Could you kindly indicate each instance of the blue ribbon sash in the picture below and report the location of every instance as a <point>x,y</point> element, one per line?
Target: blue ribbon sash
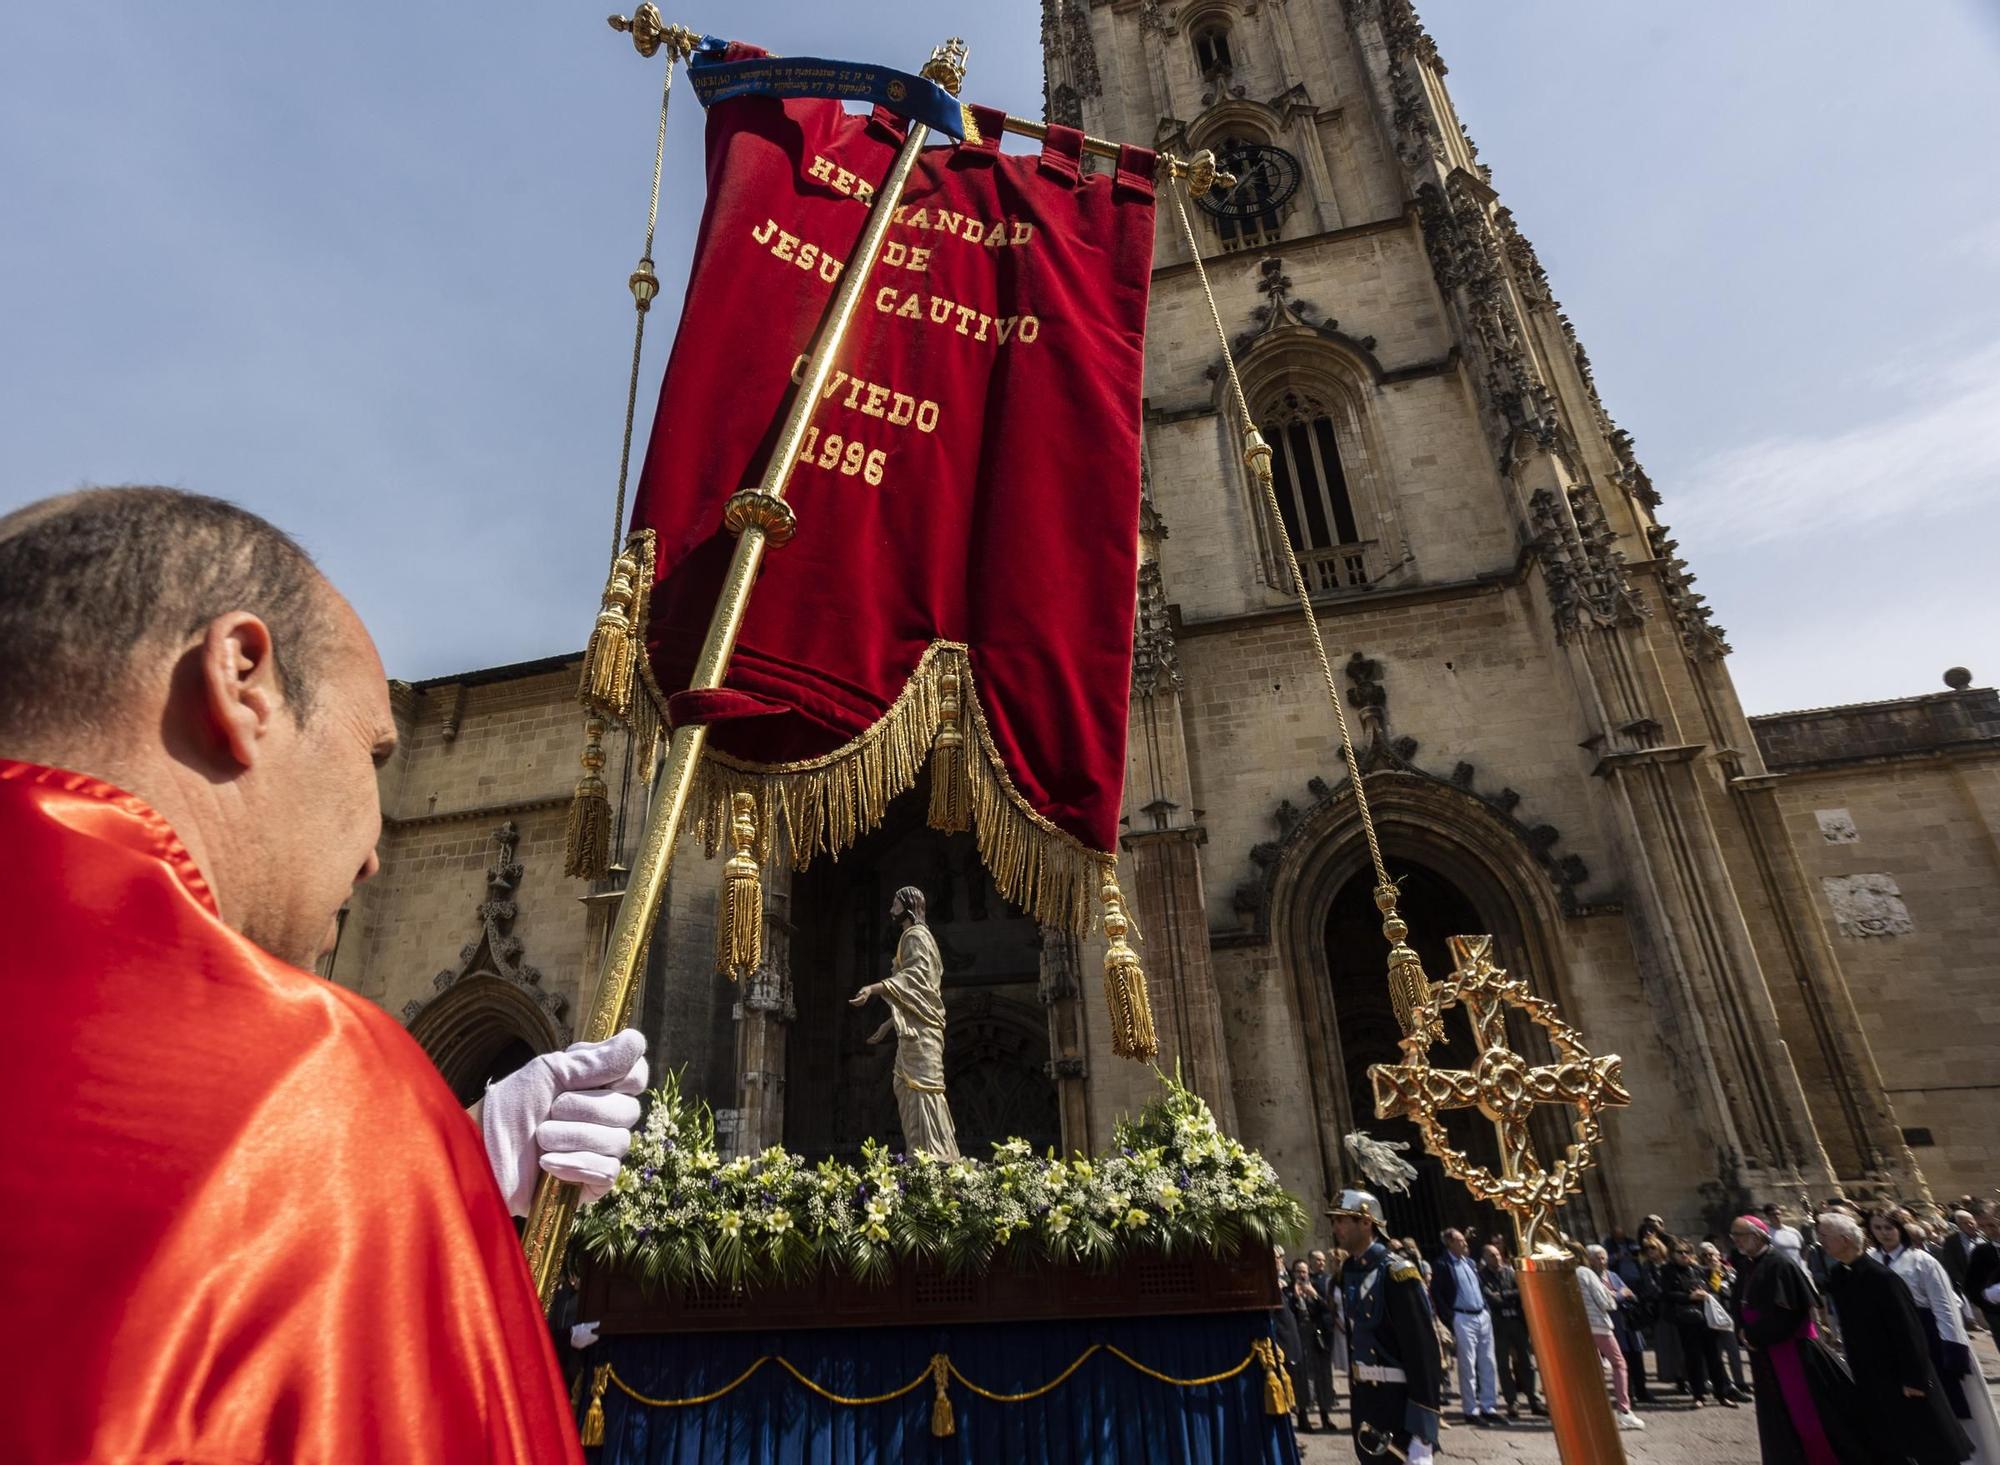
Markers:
<point>914,97</point>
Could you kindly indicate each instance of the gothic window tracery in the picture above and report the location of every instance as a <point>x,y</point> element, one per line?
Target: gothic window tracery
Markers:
<point>1211,49</point>
<point>1314,501</point>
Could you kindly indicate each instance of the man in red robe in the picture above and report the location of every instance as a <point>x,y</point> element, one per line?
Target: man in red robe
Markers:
<point>244,1218</point>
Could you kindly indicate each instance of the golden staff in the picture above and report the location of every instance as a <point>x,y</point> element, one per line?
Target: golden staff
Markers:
<point>760,517</point>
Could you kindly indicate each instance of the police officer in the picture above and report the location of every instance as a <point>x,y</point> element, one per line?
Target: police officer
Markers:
<point>1391,1339</point>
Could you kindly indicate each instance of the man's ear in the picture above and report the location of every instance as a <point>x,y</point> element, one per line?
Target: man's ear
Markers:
<point>239,681</point>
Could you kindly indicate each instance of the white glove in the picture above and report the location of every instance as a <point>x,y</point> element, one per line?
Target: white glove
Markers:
<point>571,1111</point>
<point>583,1335</point>
<point>1419,1453</point>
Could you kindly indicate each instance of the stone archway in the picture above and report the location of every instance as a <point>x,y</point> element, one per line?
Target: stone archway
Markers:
<point>1435,907</point>
<point>489,1014</point>
<point>481,1029</point>
<point>1459,860</point>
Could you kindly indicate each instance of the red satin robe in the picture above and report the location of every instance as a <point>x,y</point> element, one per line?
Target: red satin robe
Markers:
<point>241,1217</point>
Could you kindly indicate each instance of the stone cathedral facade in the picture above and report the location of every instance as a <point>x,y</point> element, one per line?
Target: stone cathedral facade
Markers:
<point>1788,926</point>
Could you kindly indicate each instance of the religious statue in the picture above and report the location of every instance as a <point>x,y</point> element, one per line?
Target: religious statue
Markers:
<point>914,990</point>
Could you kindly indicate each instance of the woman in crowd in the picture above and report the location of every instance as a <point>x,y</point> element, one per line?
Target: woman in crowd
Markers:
<point>1805,1398</point>
<point>1666,1336</point>
<point>1899,1244</point>
<point>1600,1309</point>
<point>1721,1281</point>
<point>1686,1298</point>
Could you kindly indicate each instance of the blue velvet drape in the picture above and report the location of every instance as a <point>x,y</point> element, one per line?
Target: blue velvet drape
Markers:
<point>1105,1413</point>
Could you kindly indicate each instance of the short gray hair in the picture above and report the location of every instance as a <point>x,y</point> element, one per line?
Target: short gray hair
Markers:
<point>1841,1224</point>
<point>1597,1253</point>
<point>91,581</point>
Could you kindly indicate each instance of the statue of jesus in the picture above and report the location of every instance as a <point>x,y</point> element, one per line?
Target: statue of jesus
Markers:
<point>914,990</point>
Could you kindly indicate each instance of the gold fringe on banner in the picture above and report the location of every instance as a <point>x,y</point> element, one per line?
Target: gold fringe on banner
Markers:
<point>942,1422</point>
<point>1132,1034</point>
<point>739,916</point>
<point>587,841</point>
<point>825,804</point>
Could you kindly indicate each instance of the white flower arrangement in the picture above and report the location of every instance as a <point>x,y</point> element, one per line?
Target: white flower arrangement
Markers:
<point>679,1214</point>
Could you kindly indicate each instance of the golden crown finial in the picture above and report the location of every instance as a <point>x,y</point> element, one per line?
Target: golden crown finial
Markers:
<point>650,31</point>
<point>947,65</point>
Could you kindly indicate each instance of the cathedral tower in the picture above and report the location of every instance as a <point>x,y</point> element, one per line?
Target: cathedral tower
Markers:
<point>1556,751</point>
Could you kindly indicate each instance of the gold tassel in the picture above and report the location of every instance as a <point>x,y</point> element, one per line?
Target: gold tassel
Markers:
<point>951,795</point>
<point>587,842</point>
<point>1132,1034</point>
<point>1274,1378</point>
<point>739,918</point>
<point>593,1417</point>
<point>611,660</point>
<point>1409,988</point>
<point>942,1421</point>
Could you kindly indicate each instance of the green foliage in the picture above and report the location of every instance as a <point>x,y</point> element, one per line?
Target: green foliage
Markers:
<point>680,1214</point>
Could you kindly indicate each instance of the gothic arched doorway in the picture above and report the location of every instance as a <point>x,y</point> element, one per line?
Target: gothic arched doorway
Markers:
<point>837,1087</point>
<point>1435,908</point>
<point>482,1028</point>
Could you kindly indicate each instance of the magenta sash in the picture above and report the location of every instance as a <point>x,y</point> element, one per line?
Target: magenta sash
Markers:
<point>1797,1394</point>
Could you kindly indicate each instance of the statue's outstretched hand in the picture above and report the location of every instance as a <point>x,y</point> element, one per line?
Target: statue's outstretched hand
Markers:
<point>881,1034</point>
<point>860,999</point>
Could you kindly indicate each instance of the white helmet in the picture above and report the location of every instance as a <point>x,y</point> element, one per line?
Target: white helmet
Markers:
<point>1359,1203</point>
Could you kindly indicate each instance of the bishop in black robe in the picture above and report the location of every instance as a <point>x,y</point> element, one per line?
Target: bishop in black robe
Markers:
<point>1888,1356</point>
<point>1805,1398</point>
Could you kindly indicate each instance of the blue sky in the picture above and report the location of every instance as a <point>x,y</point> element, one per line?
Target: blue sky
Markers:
<point>362,269</point>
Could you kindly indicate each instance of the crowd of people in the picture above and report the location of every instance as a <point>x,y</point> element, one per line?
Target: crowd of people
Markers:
<point>1848,1332</point>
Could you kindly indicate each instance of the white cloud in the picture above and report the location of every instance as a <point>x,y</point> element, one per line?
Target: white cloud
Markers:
<point>1933,449</point>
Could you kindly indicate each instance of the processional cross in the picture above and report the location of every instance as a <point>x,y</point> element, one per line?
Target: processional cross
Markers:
<point>1501,1084</point>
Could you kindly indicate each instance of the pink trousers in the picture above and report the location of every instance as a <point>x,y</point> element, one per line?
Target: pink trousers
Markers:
<point>1607,1348</point>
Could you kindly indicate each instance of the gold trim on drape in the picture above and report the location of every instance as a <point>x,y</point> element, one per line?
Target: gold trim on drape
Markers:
<point>826,804</point>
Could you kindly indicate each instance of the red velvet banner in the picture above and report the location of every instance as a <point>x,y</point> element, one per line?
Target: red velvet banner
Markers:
<point>970,478</point>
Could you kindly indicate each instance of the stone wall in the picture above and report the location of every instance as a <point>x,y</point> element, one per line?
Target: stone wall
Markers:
<point>1894,808</point>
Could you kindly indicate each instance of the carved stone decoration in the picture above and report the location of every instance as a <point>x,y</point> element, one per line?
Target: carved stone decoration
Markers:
<point>1468,260</point>
<point>1156,663</point>
<point>1368,696</point>
<point>1836,826</point>
<point>1701,637</point>
<point>1069,61</point>
<point>496,950</point>
<point>1419,136</point>
<point>1867,905</point>
<point>1252,898</point>
<point>1585,574</point>
<point>1281,311</point>
<point>1522,261</point>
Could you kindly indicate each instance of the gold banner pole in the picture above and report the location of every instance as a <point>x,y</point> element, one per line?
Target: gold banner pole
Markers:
<point>760,517</point>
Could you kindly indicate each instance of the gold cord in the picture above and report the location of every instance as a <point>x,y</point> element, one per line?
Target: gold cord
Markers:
<point>1258,456</point>
<point>644,285</point>
<point>930,1371</point>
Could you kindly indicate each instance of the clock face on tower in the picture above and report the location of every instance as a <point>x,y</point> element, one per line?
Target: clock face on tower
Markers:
<point>1266,179</point>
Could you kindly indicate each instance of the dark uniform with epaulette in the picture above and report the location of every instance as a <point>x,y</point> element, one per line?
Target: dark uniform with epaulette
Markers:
<point>1391,1347</point>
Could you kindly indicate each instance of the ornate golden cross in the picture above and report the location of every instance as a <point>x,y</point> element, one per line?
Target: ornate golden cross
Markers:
<point>1501,1084</point>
